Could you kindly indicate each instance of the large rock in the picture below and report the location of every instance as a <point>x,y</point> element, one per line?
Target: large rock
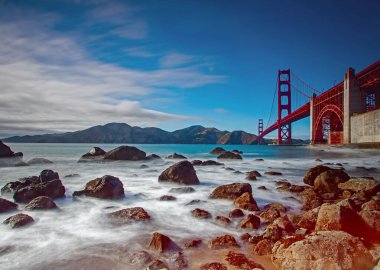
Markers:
<point>229,155</point>
<point>130,214</point>
<point>312,173</point>
<point>370,213</point>
<point>106,187</point>
<point>163,243</point>
<point>357,184</point>
<point>230,191</point>
<point>9,158</point>
<point>310,199</point>
<point>246,202</point>
<point>223,241</point>
<point>250,222</point>
<point>327,182</point>
<point>96,153</point>
<point>322,250</point>
<point>5,151</point>
<point>125,153</point>
<point>11,187</point>
<point>41,203</point>
<point>200,213</point>
<point>217,151</point>
<point>19,220</point>
<point>6,206</point>
<point>176,156</point>
<point>181,173</point>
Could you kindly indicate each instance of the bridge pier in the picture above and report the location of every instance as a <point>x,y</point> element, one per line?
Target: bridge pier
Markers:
<point>352,103</point>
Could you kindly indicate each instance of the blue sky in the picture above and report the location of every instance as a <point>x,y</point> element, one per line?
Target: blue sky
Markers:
<point>70,64</point>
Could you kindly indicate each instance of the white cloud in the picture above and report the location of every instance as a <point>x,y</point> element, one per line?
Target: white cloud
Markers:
<point>139,51</point>
<point>49,82</point>
<point>176,59</point>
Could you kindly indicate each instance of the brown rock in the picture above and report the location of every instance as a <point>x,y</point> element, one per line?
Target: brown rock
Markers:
<point>310,199</point>
<point>236,213</point>
<point>229,155</point>
<point>167,198</point>
<point>255,239</point>
<point>130,214</point>
<point>6,206</point>
<point>176,156</point>
<point>181,173</point>
<point>253,174</point>
<point>276,206</point>
<point>200,213</point>
<point>19,220</point>
<point>272,232</point>
<point>217,151</point>
<point>106,187</point>
<point>223,241</point>
<point>245,237</point>
<point>272,173</point>
<point>285,224</point>
<point>322,250</point>
<point>96,153</point>
<point>210,163</point>
<point>250,222</point>
<point>41,203</point>
<point>140,258</point>
<point>192,243</point>
<point>223,219</point>
<point>312,173</point>
<point>230,191</point>
<point>270,215</point>
<point>182,190</point>
<point>263,247</point>
<point>357,184</point>
<point>213,266</point>
<point>241,261</point>
<point>162,243</point>
<point>327,182</point>
<point>309,219</point>
<point>246,202</point>
<point>125,153</point>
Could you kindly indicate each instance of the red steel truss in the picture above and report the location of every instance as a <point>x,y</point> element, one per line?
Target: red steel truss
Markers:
<point>284,104</point>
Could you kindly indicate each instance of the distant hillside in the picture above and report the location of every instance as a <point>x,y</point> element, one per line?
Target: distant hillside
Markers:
<point>124,133</point>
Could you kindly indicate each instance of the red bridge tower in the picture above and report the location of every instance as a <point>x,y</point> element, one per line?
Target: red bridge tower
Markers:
<point>284,104</point>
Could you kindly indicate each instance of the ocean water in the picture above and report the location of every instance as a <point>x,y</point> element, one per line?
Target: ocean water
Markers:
<point>80,233</point>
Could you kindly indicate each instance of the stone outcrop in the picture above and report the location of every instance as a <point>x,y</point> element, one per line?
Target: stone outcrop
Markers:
<point>327,182</point>
<point>230,191</point>
<point>246,202</point>
<point>106,187</point>
<point>322,250</point>
<point>357,184</point>
<point>125,153</point>
<point>41,203</point>
<point>6,206</point>
<point>163,243</point>
<point>229,155</point>
<point>312,173</point>
<point>19,220</point>
<point>180,173</point>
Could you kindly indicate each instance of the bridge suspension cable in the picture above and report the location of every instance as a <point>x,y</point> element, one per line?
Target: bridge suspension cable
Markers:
<point>272,107</point>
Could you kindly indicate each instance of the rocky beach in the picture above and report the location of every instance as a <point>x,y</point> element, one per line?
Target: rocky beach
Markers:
<point>123,208</point>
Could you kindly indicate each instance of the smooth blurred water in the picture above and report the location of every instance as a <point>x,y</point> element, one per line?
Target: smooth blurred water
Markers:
<point>81,228</point>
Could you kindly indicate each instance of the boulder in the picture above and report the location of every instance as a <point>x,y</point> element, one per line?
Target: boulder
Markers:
<point>213,266</point>
<point>236,213</point>
<point>194,243</point>
<point>6,206</point>
<point>322,250</point>
<point>327,182</point>
<point>264,247</point>
<point>312,173</point>
<point>41,203</point>
<point>230,191</point>
<point>182,190</point>
<point>163,243</point>
<point>11,187</point>
<point>176,156</point>
<point>277,206</point>
<point>310,199</point>
<point>130,214</point>
<point>125,153</point>
<point>217,151</point>
<point>250,222</point>
<point>246,202</point>
<point>96,153</point>
<point>309,219</point>
<point>273,232</point>
<point>167,198</point>
<point>284,224</point>
<point>223,241</point>
<point>5,151</point>
<point>48,175</point>
<point>211,163</point>
<point>270,215</point>
<point>152,157</point>
<point>357,184</point>
<point>38,161</point>
<point>196,162</point>
<point>200,213</point>
<point>106,187</point>
<point>181,173</point>
<point>229,155</point>
<point>19,220</point>
<point>223,219</point>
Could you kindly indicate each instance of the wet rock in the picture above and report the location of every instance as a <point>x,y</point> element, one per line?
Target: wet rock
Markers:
<point>176,156</point>
<point>181,173</point>
<point>157,265</point>
<point>182,190</point>
<point>41,203</point>
<point>250,222</point>
<point>6,206</point>
<point>272,232</point>
<point>37,161</point>
<point>106,187</point>
<point>236,213</point>
<point>72,175</point>
<point>240,261</point>
<point>130,214</point>
<point>237,172</point>
<point>245,237</point>
<point>144,166</point>
<point>125,153</point>
<point>48,175</point>
<point>5,151</point>
<point>270,215</point>
<point>196,162</point>
<point>262,187</point>
<point>322,250</point>
<point>140,258</point>
<point>309,219</point>
<point>276,206</point>
<point>19,220</point>
<point>153,157</point>
<point>229,169</point>
<point>200,213</point>
<point>224,220</point>
<point>213,266</point>
<point>167,198</point>
<point>272,173</point>
<point>259,159</point>
<point>312,173</point>
<point>327,182</point>
<point>163,243</point>
<point>230,191</point>
<point>192,243</point>
<point>284,224</point>
<point>318,160</point>
<point>357,184</point>
<point>246,202</point>
<point>237,151</point>
<point>252,175</point>
<point>223,241</point>
<point>255,239</point>
<point>217,151</point>
<point>11,187</point>
<point>94,153</point>
<point>206,163</point>
<point>229,155</point>
<point>263,247</point>
<point>310,199</point>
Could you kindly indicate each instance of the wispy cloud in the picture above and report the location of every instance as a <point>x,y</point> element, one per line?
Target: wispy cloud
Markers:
<point>176,59</point>
<point>139,51</point>
<point>50,83</point>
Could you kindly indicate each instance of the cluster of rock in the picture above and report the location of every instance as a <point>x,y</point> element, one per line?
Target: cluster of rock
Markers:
<point>224,154</point>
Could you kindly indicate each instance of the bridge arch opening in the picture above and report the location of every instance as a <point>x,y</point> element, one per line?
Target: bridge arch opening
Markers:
<point>329,126</point>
